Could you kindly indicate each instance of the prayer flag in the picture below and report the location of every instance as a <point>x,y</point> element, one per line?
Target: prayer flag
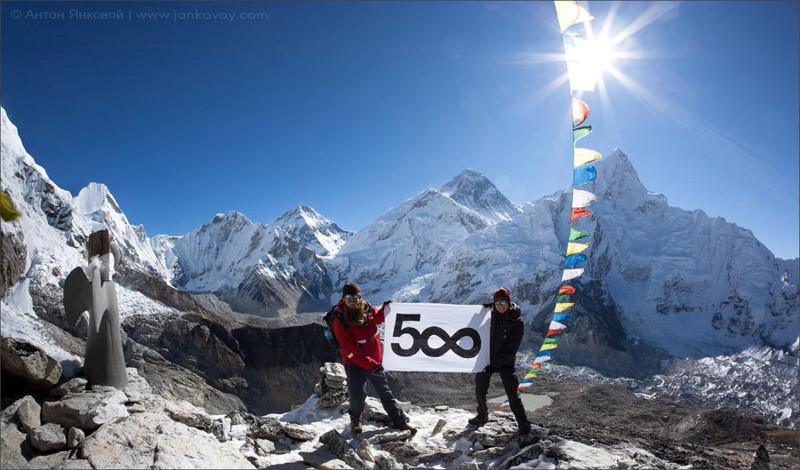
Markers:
<point>579,133</point>
<point>574,248</point>
<point>566,290</point>
<point>581,198</point>
<point>577,213</point>
<point>575,234</point>
<point>562,307</point>
<point>570,13</point>
<point>561,316</point>
<point>571,274</point>
<point>583,175</point>
<point>582,156</point>
<point>580,111</point>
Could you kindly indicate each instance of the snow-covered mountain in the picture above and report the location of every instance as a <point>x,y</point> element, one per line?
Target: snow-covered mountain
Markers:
<point>660,281</point>
<point>258,269</point>
<point>308,227</point>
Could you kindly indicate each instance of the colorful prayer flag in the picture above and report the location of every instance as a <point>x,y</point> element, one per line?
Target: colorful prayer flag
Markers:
<point>580,111</point>
<point>582,156</point>
<point>577,213</point>
<point>583,175</point>
<point>566,290</point>
<point>581,198</point>
<point>579,133</point>
<point>570,13</point>
<point>571,274</point>
<point>575,234</point>
<point>561,316</point>
<point>563,306</point>
<point>574,248</point>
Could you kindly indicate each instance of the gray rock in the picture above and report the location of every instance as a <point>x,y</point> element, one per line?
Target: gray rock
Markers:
<point>221,428</point>
<point>414,454</point>
<point>29,363</point>
<point>332,398</point>
<point>324,459</point>
<point>190,415</point>
<point>48,437</point>
<point>341,449</point>
<point>152,440</point>
<point>502,428</point>
<point>74,437</point>
<point>13,443</point>
<point>137,387</point>
<point>299,432</point>
<point>86,411</point>
<point>390,436</point>
<point>29,414</point>
<point>267,427</point>
<point>72,386</point>
<point>439,426</point>
<point>386,461</point>
<point>25,412</point>
<point>264,447</point>
<point>58,460</point>
<point>494,452</point>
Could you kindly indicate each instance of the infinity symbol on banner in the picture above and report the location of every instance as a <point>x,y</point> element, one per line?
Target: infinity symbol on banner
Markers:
<point>422,340</point>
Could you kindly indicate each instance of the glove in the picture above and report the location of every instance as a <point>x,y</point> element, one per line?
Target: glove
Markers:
<point>385,304</point>
<point>489,305</point>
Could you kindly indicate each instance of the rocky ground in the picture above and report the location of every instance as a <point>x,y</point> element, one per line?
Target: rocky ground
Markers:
<point>66,424</point>
<point>693,433</point>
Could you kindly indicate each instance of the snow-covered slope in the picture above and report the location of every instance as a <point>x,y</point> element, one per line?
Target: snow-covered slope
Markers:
<point>258,269</point>
<point>683,281</point>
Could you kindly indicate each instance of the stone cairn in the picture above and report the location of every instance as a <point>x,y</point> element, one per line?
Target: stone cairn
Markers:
<point>331,389</point>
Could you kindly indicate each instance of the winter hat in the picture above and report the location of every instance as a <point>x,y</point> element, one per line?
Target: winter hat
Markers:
<point>351,288</point>
<point>502,294</point>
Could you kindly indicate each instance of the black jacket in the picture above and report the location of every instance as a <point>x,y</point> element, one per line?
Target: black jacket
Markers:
<point>505,337</point>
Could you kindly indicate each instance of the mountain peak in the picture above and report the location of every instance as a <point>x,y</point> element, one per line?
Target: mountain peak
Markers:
<point>475,191</point>
<point>310,228</point>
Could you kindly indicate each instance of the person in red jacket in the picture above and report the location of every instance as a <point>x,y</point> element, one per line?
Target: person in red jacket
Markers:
<point>355,326</point>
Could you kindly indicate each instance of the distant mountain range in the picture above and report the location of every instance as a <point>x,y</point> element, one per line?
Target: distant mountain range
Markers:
<point>660,282</point>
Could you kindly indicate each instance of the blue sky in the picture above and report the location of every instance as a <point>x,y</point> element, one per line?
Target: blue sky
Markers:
<point>353,107</point>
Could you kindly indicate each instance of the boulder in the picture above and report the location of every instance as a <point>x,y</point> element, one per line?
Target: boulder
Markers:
<point>86,410</point>
<point>336,444</point>
<point>29,364</point>
<point>48,437</point>
<point>74,437</point>
<point>152,440</point>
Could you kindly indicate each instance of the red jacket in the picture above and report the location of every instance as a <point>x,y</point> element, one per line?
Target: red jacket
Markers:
<point>360,344</point>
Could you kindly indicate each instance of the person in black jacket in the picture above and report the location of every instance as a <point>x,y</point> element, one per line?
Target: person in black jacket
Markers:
<point>504,340</point>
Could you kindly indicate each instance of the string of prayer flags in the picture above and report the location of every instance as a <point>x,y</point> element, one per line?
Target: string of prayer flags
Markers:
<point>582,76</point>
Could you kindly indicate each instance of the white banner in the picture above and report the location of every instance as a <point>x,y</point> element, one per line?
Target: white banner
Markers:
<point>436,337</point>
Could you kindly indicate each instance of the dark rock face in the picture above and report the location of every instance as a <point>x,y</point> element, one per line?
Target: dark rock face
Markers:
<point>270,352</point>
<point>12,259</point>
<point>175,382</point>
<point>26,369</point>
<point>249,362</point>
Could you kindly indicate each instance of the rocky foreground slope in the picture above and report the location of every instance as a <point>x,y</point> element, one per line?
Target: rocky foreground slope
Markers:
<point>65,424</point>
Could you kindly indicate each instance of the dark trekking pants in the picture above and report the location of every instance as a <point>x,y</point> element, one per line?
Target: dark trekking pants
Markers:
<point>357,379</point>
<point>510,384</point>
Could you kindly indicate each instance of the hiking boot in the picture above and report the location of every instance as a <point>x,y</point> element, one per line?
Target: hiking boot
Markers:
<point>478,420</point>
<point>355,424</point>
<point>399,422</point>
